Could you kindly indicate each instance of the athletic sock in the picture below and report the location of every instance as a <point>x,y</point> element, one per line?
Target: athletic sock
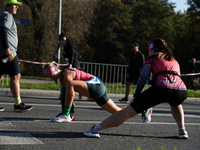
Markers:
<point>181,127</point>
<point>17,101</point>
<point>97,128</point>
<point>66,110</point>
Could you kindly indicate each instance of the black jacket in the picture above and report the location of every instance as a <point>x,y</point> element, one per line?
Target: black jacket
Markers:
<point>192,68</point>
<point>69,52</point>
<point>136,62</point>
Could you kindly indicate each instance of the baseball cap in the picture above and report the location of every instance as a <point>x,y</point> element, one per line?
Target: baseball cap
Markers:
<point>12,2</point>
<point>135,44</point>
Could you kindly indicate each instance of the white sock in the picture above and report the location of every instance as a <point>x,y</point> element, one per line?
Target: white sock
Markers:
<point>98,128</point>
<point>181,127</point>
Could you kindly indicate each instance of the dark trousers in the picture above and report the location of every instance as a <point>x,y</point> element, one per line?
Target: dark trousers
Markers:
<point>190,80</point>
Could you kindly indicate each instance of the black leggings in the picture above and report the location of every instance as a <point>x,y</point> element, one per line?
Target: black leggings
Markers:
<point>156,95</point>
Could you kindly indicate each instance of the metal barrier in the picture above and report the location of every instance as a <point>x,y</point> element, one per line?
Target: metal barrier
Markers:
<point>4,89</point>
<point>112,75</point>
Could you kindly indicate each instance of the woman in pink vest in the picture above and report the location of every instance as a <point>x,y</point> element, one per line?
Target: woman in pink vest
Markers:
<point>167,87</point>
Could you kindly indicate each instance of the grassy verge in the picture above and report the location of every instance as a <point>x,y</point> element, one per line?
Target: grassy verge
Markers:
<point>111,88</point>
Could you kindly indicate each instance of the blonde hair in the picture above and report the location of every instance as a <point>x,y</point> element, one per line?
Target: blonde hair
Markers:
<point>49,64</point>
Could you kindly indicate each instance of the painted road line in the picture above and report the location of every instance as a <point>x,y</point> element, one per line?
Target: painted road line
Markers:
<point>96,122</point>
<point>78,104</point>
<point>6,125</point>
<point>17,138</point>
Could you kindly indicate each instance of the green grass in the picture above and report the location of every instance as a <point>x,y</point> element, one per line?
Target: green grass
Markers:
<point>111,88</point>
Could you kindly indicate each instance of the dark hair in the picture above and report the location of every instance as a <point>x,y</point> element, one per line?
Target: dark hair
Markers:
<point>67,39</point>
<point>163,51</point>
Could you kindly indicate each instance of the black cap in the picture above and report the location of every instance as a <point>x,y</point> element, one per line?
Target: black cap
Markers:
<point>135,44</point>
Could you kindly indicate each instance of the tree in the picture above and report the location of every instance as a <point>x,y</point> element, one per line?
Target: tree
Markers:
<point>153,19</point>
<point>194,28</point>
<point>111,31</point>
<point>76,21</point>
<point>181,41</point>
<point>37,42</point>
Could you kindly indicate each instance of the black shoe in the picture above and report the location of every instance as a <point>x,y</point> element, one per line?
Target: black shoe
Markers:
<point>22,107</point>
<point>124,100</point>
<point>2,109</point>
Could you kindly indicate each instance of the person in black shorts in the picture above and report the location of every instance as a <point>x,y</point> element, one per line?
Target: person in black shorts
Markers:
<point>9,62</point>
<point>133,73</point>
<point>134,69</point>
<point>166,87</point>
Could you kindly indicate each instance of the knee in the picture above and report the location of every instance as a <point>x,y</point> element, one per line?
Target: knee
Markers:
<point>16,77</point>
<point>69,84</point>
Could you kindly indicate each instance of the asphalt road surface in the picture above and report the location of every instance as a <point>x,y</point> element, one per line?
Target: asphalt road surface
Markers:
<point>33,130</point>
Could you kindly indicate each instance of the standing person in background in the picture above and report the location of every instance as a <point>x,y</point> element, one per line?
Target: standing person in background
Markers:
<point>167,87</point>
<point>191,69</point>
<point>69,53</point>
<point>8,49</point>
<point>133,71</point>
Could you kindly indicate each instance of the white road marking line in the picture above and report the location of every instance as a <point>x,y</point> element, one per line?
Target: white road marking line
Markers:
<point>140,123</point>
<point>77,104</point>
<point>4,124</point>
<point>96,122</point>
<point>154,114</point>
<point>17,138</point>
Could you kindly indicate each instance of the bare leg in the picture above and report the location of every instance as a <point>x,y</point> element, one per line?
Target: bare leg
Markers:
<point>111,107</point>
<point>118,118</point>
<point>128,88</point>
<point>14,85</point>
<point>178,114</point>
<point>71,87</point>
<point>1,76</point>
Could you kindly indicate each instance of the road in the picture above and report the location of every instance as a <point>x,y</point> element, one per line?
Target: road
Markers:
<point>33,130</point>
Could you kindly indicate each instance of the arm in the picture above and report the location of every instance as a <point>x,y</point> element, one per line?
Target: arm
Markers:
<point>143,78</point>
<point>140,62</point>
<point>72,55</point>
<point>69,75</point>
<point>195,69</point>
<point>4,41</point>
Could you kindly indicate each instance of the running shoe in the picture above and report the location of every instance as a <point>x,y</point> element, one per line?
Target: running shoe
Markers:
<point>123,100</point>
<point>183,134</point>
<point>92,133</point>
<point>146,117</point>
<point>2,109</point>
<point>61,118</point>
<point>22,107</point>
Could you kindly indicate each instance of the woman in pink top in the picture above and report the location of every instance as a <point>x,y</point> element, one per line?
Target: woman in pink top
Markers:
<point>167,87</point>
<point>83,83</point>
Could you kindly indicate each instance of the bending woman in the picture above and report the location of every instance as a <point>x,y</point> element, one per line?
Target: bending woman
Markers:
<point>167,87</point>
<point>83,83</point>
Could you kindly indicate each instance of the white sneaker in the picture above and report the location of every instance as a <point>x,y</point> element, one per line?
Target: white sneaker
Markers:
<point>61,118</point>
<point>183,134</point>
<point>92,133</point>
<point>147,116</point>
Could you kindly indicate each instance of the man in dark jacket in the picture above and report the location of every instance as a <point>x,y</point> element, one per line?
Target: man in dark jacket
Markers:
<point>191,69</point>
<point>133,73</point>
